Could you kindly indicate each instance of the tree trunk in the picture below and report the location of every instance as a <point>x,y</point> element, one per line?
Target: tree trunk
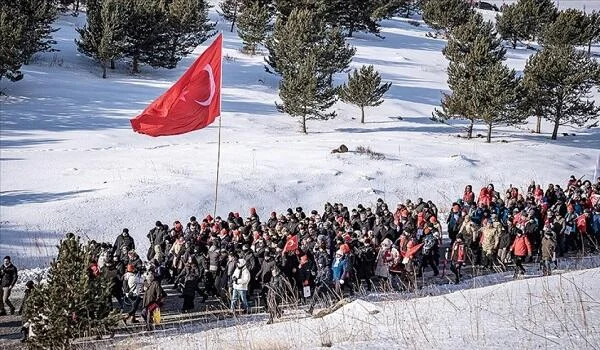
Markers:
<point>489,134</point>
<point>514,43</point>
<point>538,124</point>
<point>135,65</point>
<point>556,125</point>
<point>304,124</point>
<point>76,6</point>
<point>112,63</point>
<point>590,48</point>
<point>103,70</point>
<point>350,30</point>
<point>232,25</point>
<point>470,130</point>
<point>362,114</point>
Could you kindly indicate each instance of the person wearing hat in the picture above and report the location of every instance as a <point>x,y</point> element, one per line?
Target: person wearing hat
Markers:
<point>25,328</point>
<point>157,237</point>
<point>123,240</point>
<point>240,279</point>
<point>340,271</point>
<point>521,248</point>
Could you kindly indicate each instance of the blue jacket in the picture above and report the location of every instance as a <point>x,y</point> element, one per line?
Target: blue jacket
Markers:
<point>596,224</point>
<point>339,268</point>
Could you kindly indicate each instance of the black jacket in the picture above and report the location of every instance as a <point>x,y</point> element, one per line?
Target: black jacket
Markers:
<point>8,275</point>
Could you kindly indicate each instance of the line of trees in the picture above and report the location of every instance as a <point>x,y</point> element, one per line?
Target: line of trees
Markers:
<point>158,33</point>
<point>556,83</point>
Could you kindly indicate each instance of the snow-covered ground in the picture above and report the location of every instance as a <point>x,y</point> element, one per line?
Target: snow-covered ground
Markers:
<point>69,160</point>
<point>558,312</point>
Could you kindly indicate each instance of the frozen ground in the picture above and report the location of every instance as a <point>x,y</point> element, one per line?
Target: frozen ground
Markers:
<point>558,312</point>
<point>70,162</point>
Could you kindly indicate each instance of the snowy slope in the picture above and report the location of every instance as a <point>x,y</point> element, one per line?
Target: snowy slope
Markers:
<point>558,312</point>
<point>70,162</point>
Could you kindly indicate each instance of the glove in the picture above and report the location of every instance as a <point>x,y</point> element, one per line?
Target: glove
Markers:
<point>341,281</point>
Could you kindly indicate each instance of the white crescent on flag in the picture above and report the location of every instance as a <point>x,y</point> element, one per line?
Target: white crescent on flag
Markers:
<point>211,77</point>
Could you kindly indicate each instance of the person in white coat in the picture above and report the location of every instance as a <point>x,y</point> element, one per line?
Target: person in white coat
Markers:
<point>240,279</point>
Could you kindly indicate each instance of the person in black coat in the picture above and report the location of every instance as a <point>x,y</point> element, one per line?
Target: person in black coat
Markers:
<point>189,277</point>
<point>123,240</point>
<point>276,292</point>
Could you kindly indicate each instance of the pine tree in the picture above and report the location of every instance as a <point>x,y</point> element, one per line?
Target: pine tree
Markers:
<point>558,81</point>
<point>473,50</point>
<point>444,15</point>
<point>356,16</point>
<point>230,10</point>
<point>334,53</point>
<point>102,38</point>
<point>306,33</point>
<point>498,93</point>
<point>569,28</point>
<point>253,25</point>
<point>510,25</point>
<point>11,27</point>
<point>305,92</point>
<point>187,27</point>
<point>364,89</point>
<point>592,30</point>
<point>39,15</point>
<point>72,303</point>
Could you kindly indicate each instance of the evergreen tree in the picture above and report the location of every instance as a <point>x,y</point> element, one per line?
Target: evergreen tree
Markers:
<point>592,30</point>
<point>498,95</point>
<point>305,92</point>
<point>230,10</point>
<point>102,38</point>
<point>253,26</point>
<point>301,34</point>
<point>444,15</point>
<point>473,50</point>
<point>569,28</point>
<point>334,53</point>
<point>510,25</point>
<point>558,81</point>
<point>39,16</point>
<point>187,27</point>
<point>356,16</point>
<point>364,89</point>
<point>72,303</point>
<point>525,20</point>
<point>11,27</point>
<point>29,22</point>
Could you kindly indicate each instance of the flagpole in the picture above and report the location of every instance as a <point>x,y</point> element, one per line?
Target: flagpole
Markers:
<point>219,137</point>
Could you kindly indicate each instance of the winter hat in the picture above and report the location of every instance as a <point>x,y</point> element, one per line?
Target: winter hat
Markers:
<point>252,211</point>
<point>158,224</point>
<point>193,218</point>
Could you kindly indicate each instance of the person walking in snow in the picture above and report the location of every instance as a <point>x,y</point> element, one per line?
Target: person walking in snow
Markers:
<point>123,240</point>
<point>521,248</point>
<point>240,279</point>
<point>457,257</point>
<point>548,252</point>
<point>8,279</point>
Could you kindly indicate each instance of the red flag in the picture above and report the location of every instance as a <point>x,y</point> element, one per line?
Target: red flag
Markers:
<point>412,251</point>
<point>192,103</point>
<point>291,244</point>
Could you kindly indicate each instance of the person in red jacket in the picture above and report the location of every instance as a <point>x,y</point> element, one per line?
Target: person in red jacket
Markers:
<point>469,196</point>
<point>521,249</point>
<point>457,257</point>
<point>581,225</point>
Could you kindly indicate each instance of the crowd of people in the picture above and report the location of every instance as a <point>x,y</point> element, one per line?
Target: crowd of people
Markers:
<point>310,256</point>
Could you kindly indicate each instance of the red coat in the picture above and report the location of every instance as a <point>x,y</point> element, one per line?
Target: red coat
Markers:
<point>458,252</point>
<point>485,197</point>
<point>521,246</point>
<point>469,197</point>
<point>581,223</point>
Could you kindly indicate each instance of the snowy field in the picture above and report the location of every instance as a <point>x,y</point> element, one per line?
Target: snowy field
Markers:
<point>558,312</point>
<point>69,160</point>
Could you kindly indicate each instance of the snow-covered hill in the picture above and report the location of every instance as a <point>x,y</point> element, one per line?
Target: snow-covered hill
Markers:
<point>70,162</point>
<point>558,312</point>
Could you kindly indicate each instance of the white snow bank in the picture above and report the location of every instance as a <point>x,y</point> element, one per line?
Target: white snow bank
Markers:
<point>560,311</point>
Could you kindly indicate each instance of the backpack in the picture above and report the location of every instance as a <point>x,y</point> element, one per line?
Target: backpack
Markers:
<point>428,244</point>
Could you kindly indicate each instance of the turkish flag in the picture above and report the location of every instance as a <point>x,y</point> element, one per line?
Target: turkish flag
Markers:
<point>291,244</point>
<point>192,103</point>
